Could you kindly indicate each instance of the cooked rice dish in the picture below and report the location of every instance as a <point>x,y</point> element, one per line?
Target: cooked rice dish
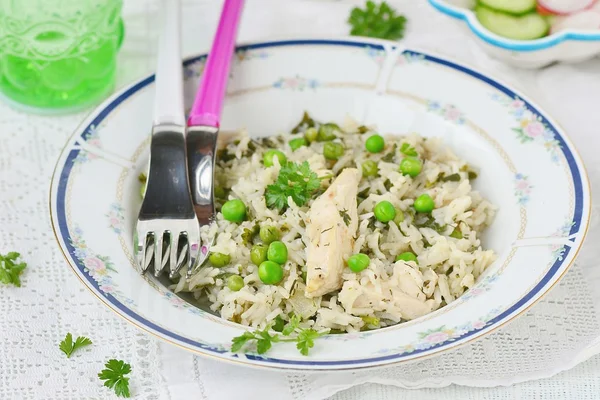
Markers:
<point>347,229</point>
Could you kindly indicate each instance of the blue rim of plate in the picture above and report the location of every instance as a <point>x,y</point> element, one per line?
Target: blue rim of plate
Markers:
<point>515,45</point>
<point>60,227</point>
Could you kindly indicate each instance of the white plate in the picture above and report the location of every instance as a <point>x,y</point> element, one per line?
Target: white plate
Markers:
<point>529,169</point>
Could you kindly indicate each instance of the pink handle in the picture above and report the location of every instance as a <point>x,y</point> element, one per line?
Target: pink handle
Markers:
<point>208,103</point>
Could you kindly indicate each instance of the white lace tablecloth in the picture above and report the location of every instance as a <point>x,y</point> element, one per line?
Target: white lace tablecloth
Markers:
<point>557,334</point>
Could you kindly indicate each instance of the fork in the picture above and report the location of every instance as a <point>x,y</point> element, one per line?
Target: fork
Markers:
<point>205,115</point>
<point>167,228</point>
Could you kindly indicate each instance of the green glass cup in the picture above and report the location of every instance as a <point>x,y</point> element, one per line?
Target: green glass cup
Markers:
<point>58,56</point>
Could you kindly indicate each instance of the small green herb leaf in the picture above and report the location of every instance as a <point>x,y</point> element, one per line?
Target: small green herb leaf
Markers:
<point>240,341</point>
<point>345,217</point>
<point>292,325</point>
<point>10,270</point>
<point>295,180</point>
<point>408,150</point>
<point>67,346</point>
<point>389,157</point>
<point>451,178</point>
<point>279,324</point>
<point>114,377</point>
<point>306,340</point>
<point>377,20</point>
<point>305,123</point>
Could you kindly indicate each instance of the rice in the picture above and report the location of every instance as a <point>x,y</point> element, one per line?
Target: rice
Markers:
<point>388,291</point>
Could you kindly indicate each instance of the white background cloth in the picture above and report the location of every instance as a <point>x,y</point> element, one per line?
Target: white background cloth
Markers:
<point>557,334</point>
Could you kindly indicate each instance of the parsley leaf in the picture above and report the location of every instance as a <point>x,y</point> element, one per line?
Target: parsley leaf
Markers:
<point>295,180</point>
<point>408,150</point>
<point>10,269</point>
<point>291,326</point>
<point>378,21</point>
<point>306,340</point>
<point>114,377</point>
<point>67,346</point>
<point>264,340</point>
<point>240,341</point>
<point>345,217</point>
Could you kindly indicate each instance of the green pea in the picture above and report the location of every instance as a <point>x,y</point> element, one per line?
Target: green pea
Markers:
<point>277,252</point>
<point>358,262</point>
<point>270,272</point>
<point>407,256</point>
<point>234,210</point>
<point>456,234</point>
<point>370,168</point>
<point>384,211</point>
<point>235,283</point>
<point>311,134</point>
<point>295,144</point>
<point>268,233</point>
<point>411,166</point>
<point>399,216</point>
<point>258,254</point>
<point>375,144</point>
<point>143,189</point>
<point>219,259</point>
<point>424,204</point>
<point>270,155</point>
<point>333,151</point>
<point>327,132</point>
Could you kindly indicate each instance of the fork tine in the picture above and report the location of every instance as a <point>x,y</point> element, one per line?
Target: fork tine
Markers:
<point>158,254</point>
<point>144,239</point>
<point>140,249</point>
<point>148,252</point>
<point>194,253</point>
<point>174,264</point>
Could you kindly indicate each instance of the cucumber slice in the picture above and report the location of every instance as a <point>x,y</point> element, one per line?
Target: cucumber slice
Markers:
<point>526,27</point>
<point>511,6</point>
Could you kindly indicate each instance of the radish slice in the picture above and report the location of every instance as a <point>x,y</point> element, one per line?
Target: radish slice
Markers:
<point>585,20</point>
<point>563,7</point>
<point>544,11</point>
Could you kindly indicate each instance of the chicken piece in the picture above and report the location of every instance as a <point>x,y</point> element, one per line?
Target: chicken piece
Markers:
<point>331,230</point>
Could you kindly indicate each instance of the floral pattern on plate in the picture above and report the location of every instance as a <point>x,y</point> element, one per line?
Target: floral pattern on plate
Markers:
<point>530,128</point>
<point>443,334</point>
<point>246,55</point>
<point>116,218</point>
<point>447,111</point>
<point>296,83</point>
<point>522,188</point>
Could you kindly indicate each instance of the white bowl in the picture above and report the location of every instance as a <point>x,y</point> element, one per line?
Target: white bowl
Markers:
<point>528,166</point>
<point>564,46</point>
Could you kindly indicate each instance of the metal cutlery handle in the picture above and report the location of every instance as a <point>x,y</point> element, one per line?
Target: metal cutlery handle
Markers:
<point>167,192</point>
<point>168,99</point>
<point>201,142</point>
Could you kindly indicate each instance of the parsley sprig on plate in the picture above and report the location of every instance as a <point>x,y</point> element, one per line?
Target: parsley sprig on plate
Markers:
<point>378,21</point>
<point>264,339</point>
<point>114,376</point>
<point>10,269</point>
<point>295,180</point>
<point>68,346</point>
